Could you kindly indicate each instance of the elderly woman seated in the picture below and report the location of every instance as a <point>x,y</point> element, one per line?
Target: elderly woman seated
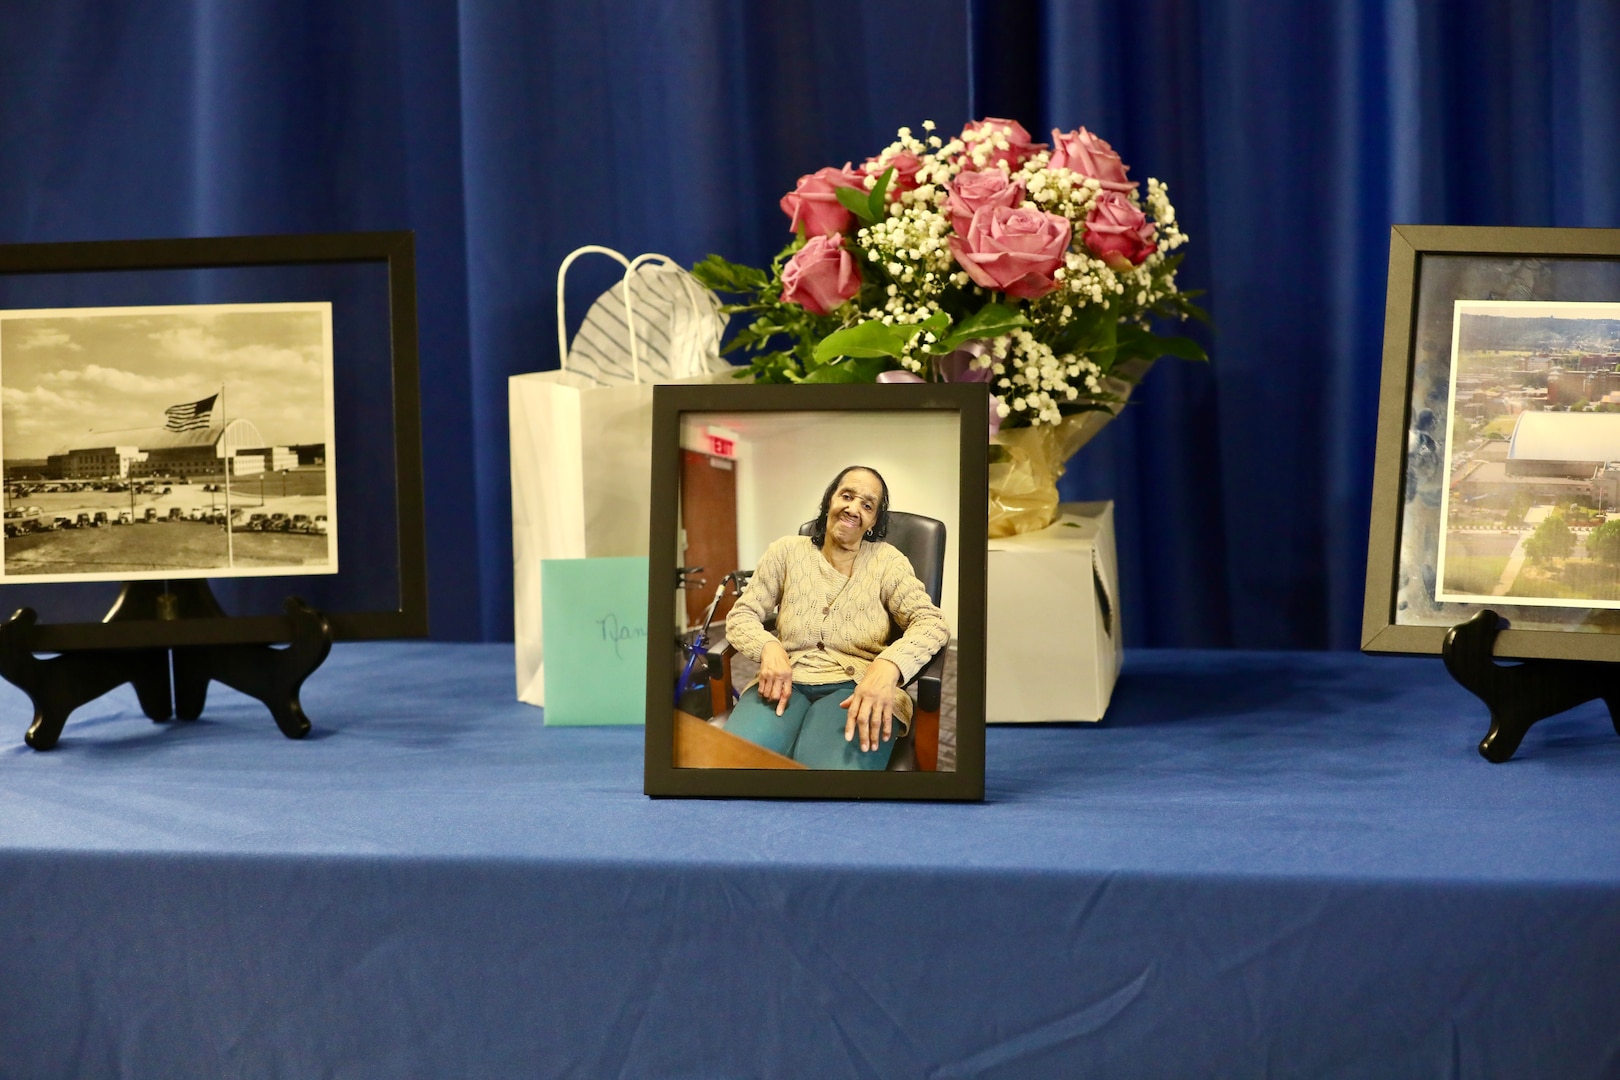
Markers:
<point>829,691</point>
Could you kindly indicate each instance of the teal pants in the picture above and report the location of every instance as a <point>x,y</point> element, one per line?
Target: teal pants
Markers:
<point>810,730</point>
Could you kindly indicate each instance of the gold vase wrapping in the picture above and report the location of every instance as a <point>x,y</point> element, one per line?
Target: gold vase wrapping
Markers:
<point>1023,485</point>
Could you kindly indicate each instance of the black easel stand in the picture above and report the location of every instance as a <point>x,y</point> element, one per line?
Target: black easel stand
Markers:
<point>61,684</point>
<point>1528,690</point>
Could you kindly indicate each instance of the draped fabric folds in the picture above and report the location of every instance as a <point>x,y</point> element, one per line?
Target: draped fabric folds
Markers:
<point>505,133</point>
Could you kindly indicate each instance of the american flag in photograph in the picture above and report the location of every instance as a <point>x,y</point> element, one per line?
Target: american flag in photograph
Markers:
<point>191,415</point>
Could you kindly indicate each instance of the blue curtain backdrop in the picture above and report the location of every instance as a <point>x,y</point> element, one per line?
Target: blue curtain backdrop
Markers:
<point>506,133</point>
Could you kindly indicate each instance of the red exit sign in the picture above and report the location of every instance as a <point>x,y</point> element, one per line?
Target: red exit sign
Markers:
<point>720,446</point>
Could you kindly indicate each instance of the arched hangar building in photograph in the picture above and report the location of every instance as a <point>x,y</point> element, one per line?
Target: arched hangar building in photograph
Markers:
<point>157,451</point>
<point>1551,455</point>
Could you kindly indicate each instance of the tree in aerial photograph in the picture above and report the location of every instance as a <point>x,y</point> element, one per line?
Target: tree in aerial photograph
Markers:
<point>1604,543</point>
<point>1553,539</point>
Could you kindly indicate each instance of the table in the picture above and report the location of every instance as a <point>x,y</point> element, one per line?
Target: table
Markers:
<point>701,745</point>
<point>1288,864</point>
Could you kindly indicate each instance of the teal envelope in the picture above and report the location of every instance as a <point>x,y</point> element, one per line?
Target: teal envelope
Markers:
<point>593,623</point>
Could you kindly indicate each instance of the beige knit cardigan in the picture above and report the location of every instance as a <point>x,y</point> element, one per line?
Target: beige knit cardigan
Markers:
<point>833,626</point>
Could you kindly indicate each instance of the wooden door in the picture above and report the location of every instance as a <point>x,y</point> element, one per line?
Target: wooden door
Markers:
<point>709,520</point>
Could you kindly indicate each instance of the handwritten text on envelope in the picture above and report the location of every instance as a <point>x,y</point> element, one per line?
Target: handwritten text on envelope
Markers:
<point>593,615</point>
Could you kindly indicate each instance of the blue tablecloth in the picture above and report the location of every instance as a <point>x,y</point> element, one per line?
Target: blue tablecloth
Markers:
<point>1286,864</point>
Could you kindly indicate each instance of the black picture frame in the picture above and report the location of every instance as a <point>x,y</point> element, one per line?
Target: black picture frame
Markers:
<point>380,266</point>
<point>1431,268</point>
<point>969,404</point>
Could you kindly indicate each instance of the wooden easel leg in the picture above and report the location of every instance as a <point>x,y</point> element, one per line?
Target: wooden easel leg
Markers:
<point>272,676</point>
<point>1520,694</point>
<point>63,683</point>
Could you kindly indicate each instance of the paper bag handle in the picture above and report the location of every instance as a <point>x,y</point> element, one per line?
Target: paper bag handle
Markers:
<point>562,277</point>
<point>693,292</point>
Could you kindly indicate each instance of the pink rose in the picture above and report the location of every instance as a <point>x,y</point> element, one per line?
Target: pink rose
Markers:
<point>1084,153</point>
<point>1019,146</point>
<point>1013,249</point>
<point>972,191</point>
<point>813,204</point>
<point>1118,233</point>
<point>905,165</point>
<point>821,275</point>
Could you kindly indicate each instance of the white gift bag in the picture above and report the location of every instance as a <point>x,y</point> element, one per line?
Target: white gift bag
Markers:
<point>582,435</point>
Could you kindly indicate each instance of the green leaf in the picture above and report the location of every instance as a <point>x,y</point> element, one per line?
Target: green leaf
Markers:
<point>1080,331</point>
<point>1090,336</point>
<point>935,324</point>
<point>867,339</point>
<point>1102,335</point>
<point>855,201</point>
<point>1182,348</point>
<point>1134,341</point>
<point>990,321</point>
<point>877,199</point>
<point>862,370</point>
<point>774,367</point>
<point>1193,309</point>
<point>723,276</point>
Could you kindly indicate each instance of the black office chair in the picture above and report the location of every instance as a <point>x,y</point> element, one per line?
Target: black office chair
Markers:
<point>922,541</point>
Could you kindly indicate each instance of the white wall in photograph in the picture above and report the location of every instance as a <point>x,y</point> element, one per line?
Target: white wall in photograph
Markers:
<point>784,462</point>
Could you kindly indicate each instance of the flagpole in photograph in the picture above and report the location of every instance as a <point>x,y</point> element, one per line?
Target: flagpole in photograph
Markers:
<point>224,436</point>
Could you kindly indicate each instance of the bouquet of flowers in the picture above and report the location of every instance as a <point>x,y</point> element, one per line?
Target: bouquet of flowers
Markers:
<point>988,257</point>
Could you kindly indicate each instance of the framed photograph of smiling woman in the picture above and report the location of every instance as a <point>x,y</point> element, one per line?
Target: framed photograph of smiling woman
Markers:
<point>816,592</point>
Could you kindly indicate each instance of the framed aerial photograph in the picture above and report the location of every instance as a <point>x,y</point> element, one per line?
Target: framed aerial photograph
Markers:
<point>1497,482</point>
<point>844,528</point>
<point>240,411</point>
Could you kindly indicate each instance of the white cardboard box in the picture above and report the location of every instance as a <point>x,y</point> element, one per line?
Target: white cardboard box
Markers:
<point>1053,645</point>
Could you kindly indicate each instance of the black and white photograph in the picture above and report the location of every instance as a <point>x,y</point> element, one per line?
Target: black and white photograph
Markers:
<point>1531,497</point>
<point>146,443</point>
